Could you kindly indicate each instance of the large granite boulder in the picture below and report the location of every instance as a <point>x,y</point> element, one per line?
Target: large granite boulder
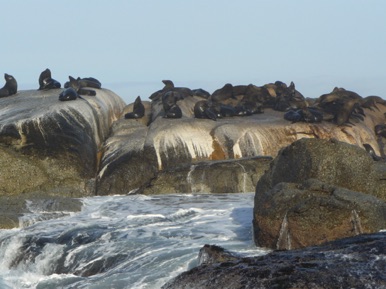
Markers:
<point>357,262</point>
<point>316,191</point>
<point>52,144</point>
<point>52,148</point>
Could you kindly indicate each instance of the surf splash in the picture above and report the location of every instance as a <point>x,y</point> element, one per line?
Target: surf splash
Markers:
<point>133,241</point>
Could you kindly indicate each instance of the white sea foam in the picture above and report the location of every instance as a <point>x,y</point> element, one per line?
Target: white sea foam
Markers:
<point>129,241</point>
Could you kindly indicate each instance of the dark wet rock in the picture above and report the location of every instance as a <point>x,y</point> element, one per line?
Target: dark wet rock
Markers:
<point>219,177</point>
<point>316,191</point>
<point>211,254</point>
<point>13,207</point>
<point>357,262</point>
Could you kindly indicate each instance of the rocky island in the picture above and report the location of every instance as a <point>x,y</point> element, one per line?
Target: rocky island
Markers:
<point>317,165</point>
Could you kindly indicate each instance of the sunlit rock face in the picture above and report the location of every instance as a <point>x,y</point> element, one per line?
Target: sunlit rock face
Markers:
<point>316,191</point>
<point>239,137</point>
<point>126,163</point>
<point>163,143</point>
<point>52,146</point>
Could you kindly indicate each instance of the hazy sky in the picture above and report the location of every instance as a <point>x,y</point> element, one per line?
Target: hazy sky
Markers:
<point>131,45</point>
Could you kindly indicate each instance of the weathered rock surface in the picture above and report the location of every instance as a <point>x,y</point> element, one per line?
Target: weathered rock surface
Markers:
<point>226,176</point>
<point>357,262</point>
<point>52,144</point>
<point>316,191</point>
<point>49,147</point>
<point>166,143</point>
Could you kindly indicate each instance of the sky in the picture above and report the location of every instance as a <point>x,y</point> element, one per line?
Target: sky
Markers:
<point>132,45</point>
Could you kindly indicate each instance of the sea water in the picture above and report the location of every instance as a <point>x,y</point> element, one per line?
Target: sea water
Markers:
<point>131,241</point>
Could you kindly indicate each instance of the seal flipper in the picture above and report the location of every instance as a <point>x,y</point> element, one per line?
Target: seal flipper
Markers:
<point>86,91</point>
<point>173,112</point>
<point>210,114</point>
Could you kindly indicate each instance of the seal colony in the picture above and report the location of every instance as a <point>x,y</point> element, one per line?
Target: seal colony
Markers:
<point>10,86</point>
<point>340,106</point>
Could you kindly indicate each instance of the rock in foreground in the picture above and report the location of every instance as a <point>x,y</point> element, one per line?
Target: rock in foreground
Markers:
<point>317,191</point>
<point>357,262</point>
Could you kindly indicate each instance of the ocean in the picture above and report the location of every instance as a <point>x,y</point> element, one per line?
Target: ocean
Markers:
<point>127,241</point>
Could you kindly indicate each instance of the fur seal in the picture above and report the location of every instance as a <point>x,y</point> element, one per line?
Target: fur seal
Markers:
<point>289,97</point>
<point>223,110</point>
<point>89,82</point>
<point>372,101</point>
<point>293,116</point>
<point>380,130</point>
<point>350,109</point>
<point>79,84</point>
<point>371,152</point>
<point>222,94</point>
<point>173,112</point>
<point>169,99</point>
<point>306,114</point>
<point>169,86</point>
<point>47,82</point>
<point>10,86</point>
<point>203,110</point>
<point>201,93</point>
<point>138,110</point>
<point>68,94</point>
<point>239,90</point>
<point>343,105</point>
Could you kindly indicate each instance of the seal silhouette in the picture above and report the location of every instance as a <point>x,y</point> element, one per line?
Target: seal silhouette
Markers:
<point>173,112</point>
<point>202,109</point>
<point>46,81</point>
<point>10,86</point>
<point>68,94</point>
<point>138,110</point>
<point>79,85</point>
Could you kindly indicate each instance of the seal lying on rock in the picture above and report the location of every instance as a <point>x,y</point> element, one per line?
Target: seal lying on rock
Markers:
<point>138,109</point>
<point>307,114</point>
<point>371,152</point>
<point>79,85</point>
<point>10,86</point>
<point>223,94</point>
<point>182,92</point>
<point>47,82</point>
<point>68,94</point>
<point>371,102</point>
<point>342,106</point>
<point>203,110</point>
<point>173,112</point>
